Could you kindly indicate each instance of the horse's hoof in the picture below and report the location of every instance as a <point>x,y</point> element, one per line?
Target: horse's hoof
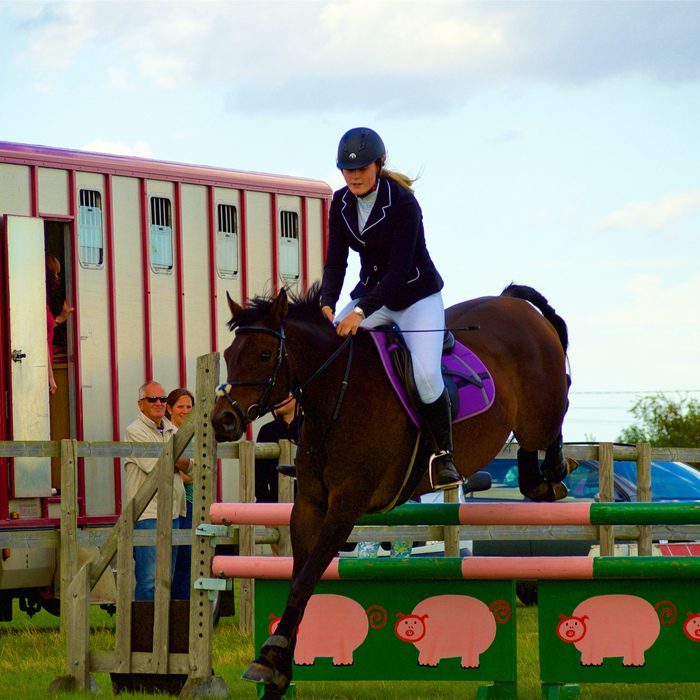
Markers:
<point>546,492</point>
<point>566,466</point>
<point>260,671</point>
<point>559,491</point>
<point>571,464</point>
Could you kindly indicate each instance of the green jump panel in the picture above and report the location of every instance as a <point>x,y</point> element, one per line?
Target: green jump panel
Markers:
<point>383,630</point>
<point>619,631</point>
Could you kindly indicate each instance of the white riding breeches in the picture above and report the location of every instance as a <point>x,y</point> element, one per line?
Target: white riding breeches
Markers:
<point>425,347</point>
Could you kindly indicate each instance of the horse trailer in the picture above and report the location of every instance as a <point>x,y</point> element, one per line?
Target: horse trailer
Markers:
<point>148,250</point>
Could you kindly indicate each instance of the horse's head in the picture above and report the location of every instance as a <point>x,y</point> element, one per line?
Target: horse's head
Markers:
<point>257,370</point>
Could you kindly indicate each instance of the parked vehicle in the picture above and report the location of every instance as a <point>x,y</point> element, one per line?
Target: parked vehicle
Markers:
<point>670,481</point>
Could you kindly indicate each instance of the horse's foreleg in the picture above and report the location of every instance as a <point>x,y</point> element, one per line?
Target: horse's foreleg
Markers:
<point>274,665</point>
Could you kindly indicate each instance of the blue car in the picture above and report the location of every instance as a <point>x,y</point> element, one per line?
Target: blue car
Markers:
<point>670,481</point>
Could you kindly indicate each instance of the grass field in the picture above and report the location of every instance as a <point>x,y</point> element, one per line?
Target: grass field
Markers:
<point>31,656</point>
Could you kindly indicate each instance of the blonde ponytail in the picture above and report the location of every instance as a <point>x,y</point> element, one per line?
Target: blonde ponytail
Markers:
<point>399,178</point>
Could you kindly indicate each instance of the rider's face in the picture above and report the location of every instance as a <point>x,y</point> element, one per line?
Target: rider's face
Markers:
<point>360,181</point>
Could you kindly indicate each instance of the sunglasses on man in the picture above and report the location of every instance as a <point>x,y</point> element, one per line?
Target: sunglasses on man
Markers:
<point>153,399</point>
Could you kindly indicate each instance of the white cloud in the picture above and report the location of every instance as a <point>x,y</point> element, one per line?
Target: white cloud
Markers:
<point>653,216</point>
<point>310,55</point>
<point>118,148</point>
<point>656,308</point>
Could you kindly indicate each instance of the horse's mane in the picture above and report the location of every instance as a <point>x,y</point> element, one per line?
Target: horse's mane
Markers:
<point>302,306</point>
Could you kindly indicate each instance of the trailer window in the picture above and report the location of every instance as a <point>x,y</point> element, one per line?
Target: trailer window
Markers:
<point>289,245</point>
<point>227,241</point>
<point>161,239</point>
<point>91,241</point>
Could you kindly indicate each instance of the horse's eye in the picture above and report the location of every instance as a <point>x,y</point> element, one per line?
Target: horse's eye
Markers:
<point>265,356</point>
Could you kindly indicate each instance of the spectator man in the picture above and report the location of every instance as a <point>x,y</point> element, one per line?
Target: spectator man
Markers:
<point>151,425</point>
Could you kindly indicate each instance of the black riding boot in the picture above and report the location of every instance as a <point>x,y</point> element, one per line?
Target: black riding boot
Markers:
<point>437,418</point>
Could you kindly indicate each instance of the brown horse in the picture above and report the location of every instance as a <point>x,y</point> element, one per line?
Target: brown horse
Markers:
<point>357,440</point>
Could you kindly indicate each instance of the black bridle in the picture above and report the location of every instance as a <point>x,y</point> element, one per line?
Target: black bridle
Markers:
<point>262,405</point>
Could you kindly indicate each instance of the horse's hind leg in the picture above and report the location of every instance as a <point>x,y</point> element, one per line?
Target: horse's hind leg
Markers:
<point>544,483</point>
<point>556,467</point>
<point>530,480</point>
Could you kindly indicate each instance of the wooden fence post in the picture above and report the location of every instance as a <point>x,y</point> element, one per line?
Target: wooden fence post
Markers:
<point>644,548</point>
<point>451,532</point>
<point>201,681</point>
<point>285,495</point>
<point>607,494</point>
<point>68,546</point>
<point>76,598</point>
<point>246,533</point>
<point>125,590</point>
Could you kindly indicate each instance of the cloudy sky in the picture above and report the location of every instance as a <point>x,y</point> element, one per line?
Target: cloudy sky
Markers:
<point>557,142</point>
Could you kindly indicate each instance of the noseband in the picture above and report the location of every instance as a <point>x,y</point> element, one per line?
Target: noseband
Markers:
<point>260,407</point>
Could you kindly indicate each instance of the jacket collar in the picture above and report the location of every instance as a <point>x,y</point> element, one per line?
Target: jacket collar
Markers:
<point>379,211</point>
<point>168,427</point>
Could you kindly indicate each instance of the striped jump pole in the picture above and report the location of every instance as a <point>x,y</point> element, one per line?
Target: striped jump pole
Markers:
<point>481,514</point>
<point>477,568</point>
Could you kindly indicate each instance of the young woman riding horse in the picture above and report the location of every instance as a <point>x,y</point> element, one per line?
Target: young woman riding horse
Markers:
<point>378,216</point>
<point>357,439</point>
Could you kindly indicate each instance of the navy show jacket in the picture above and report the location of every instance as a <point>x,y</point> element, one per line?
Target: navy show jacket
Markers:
<point>396,269</point>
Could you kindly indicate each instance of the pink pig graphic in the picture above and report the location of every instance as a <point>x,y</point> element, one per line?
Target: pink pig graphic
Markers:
<point>448,626</point>
<point>608,626</point>
<point>333,626</point>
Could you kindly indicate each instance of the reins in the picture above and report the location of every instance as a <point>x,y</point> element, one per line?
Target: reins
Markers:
<point>296,392</point>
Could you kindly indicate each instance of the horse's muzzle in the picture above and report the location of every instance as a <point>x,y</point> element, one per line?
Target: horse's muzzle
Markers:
<point>227,422</point>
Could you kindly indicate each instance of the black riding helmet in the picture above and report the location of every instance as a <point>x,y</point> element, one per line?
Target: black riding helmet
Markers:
<point>360,147</point>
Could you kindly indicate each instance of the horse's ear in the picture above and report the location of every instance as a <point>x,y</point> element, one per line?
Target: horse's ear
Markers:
<point>235,308</point>
<point>278,310</point>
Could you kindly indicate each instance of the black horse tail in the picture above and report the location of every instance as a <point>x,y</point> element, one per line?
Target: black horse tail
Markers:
<point>520,291</point>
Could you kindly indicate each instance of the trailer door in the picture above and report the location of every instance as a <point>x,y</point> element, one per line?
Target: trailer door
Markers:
<point>29,372</point>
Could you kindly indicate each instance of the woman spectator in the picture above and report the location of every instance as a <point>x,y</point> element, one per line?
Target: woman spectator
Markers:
<point>177,407</point>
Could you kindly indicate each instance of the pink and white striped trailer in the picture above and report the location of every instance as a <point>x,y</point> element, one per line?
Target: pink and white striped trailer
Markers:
<point>148,250</point>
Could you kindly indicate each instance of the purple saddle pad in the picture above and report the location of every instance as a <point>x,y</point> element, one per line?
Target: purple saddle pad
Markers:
<point>476,392</point>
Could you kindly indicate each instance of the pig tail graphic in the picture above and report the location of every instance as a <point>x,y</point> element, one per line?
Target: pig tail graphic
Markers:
<point>500,609</point>
<point>666,611</point>
<point>377,616</point>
